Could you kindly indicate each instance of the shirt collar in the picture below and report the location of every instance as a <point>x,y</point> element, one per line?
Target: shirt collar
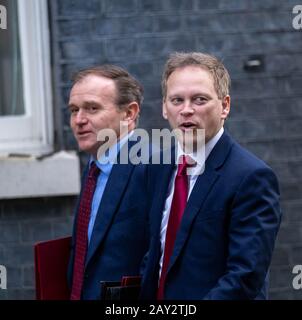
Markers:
<point>202,154</point>
<point>106,166</point>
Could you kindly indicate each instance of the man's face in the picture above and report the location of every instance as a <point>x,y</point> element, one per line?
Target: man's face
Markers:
<point>192,103</point>
<point>92,107</point>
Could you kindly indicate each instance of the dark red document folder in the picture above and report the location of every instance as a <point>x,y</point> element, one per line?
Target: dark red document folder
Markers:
<point>131,281</point>
<point>51,263</point>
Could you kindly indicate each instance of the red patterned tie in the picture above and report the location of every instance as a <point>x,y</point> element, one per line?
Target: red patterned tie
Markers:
<point>81,232</point>
<point>177,209</point>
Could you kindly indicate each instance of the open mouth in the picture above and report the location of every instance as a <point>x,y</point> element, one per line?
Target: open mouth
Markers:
<point>188,125</point>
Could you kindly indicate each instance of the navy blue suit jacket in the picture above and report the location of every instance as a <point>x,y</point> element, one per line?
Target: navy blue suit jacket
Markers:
<point>119,239</point>
<point>225,242</point>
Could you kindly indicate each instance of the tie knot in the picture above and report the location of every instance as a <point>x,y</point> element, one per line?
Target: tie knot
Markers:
<point>184,163</point>
<point>93,171</point>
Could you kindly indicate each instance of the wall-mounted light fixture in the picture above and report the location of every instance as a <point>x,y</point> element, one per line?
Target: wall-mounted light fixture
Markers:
<point>254,63</point>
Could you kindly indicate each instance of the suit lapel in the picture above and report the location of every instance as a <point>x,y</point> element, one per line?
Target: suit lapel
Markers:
<point>163,179</point>
<point>156,213</point>
<point>202,187</point>
<point>113,194</point>
<point>164,176</point>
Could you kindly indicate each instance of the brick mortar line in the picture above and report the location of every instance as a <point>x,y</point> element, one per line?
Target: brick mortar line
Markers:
<point>179,13</point>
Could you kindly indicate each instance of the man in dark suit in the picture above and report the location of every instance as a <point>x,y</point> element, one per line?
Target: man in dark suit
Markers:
<point>110,231</point>
<point>214,218</point>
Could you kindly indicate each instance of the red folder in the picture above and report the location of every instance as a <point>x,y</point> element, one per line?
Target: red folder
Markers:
<point>51,263</point>
<point>131,281</point>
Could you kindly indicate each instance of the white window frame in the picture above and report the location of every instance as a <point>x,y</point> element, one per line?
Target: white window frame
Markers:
<point>32,133</point>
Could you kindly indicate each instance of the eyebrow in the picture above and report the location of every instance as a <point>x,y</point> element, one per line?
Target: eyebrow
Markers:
<point>197,94</point>
<point>201,95</point>
<point>70,105</point>
<point>85,104</point>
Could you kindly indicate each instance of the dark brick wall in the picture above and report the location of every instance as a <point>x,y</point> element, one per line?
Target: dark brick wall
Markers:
<point>266,111</point>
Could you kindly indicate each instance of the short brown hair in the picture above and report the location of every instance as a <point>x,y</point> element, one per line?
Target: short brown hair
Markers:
<point>127,87</point>
<point>208,62</point>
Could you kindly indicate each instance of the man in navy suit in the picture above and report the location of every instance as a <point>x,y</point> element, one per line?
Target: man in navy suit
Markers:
<point>213,228</point>
<point>115,237</point>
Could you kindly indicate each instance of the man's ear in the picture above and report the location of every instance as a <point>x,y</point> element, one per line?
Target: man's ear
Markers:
<point>164,109</point>
<point>131,112</point>
<point>226,106</point>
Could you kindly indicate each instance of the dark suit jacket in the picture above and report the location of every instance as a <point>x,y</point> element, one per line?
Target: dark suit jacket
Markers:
<point>120,235</point>
<point>225,242</point>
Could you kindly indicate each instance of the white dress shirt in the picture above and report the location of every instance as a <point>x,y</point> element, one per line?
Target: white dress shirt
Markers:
<point>193,174</point>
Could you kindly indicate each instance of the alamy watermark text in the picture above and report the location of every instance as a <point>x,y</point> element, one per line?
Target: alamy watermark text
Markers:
<point>3,17</point>
<point>297,20</point>
<point>3,278</point>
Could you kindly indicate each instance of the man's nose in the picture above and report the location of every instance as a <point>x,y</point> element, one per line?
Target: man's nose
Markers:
<point>81,117</point>
<point>187,109</point>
